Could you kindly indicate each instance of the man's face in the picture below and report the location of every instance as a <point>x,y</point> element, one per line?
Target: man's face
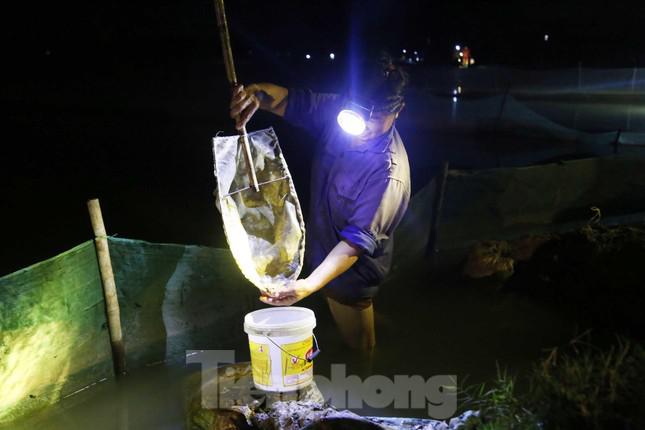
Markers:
<point>379,124</point>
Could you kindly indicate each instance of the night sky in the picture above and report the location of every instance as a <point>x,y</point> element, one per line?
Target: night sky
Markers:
<point>600,33</point>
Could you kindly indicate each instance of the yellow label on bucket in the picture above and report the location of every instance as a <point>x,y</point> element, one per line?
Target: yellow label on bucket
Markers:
<point>260,363</point>
<point>295,368</point>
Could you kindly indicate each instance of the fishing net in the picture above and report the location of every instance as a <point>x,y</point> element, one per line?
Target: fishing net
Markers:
<point>265,230</point>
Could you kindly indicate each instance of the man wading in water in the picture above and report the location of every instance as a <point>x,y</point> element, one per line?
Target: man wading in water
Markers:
<point>360,189</point>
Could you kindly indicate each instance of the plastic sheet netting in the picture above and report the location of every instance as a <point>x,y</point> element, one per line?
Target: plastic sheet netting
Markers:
<point>53,332</point>
<point>53,335</point>
<point>508,203</point>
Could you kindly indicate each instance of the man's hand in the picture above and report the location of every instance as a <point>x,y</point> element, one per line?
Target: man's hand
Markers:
<point>339,259</point>
<point>244,103</point>
<point>292,293</point>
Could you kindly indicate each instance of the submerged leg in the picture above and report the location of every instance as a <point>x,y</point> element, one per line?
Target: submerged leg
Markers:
<point>355,323</point>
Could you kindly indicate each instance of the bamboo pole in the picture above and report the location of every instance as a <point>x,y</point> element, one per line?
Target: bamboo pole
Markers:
<point>109,287</point>
<point>229,65</point>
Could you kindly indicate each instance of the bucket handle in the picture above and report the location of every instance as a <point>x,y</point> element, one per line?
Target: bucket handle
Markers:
<point>313,355</point>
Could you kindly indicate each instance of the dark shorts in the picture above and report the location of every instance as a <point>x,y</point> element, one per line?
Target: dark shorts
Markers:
<point>356,296</point>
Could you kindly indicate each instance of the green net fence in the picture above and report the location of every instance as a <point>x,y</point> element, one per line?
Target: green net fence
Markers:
<point>53,331</point>
<point>508,203</point>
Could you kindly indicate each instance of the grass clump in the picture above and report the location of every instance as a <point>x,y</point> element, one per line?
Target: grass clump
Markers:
<point>499,406</point>
<point>578,386</point>
<point>586,386</point>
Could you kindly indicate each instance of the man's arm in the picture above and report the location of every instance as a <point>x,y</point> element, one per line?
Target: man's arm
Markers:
<point>341,258</point>
<point>245,101</point>
<point>337,262</point>
<point>302,108</point>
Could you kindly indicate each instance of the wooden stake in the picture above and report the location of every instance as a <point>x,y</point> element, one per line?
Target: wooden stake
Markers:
<point>616,142</point>
<point>109,287</point>
<point>437,208</point>
<point>229,65</point>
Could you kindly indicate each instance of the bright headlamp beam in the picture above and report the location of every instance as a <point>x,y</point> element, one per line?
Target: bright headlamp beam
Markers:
<point>351,122</point>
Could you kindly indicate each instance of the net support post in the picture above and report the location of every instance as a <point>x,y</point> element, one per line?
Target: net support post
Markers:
<point>112,309</point>
<point>437,208</point>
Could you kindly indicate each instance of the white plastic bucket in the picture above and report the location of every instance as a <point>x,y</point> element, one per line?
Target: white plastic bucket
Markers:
<point>281,344</point>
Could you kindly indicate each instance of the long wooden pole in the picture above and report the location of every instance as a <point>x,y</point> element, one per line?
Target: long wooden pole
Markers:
<point>109,287</point>
<point>227,54</point>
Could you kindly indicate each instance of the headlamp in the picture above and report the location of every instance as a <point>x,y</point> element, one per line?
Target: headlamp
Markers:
<point>353,116</point>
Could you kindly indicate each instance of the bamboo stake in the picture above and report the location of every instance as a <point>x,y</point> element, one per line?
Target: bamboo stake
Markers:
<point>229,65</point>
<point>109,287</point>
<point>437,208</point>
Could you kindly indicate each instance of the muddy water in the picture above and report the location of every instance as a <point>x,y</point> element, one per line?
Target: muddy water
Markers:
<point>424,328</point>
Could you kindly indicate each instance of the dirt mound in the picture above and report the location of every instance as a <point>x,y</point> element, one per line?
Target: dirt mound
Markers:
<point>595,272</point>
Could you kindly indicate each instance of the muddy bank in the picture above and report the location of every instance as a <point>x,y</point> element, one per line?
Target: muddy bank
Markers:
<point>594,274</point>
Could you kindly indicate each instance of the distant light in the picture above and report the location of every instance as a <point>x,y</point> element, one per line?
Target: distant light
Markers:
<point>454,99</point>
<point>416,53</point>
<point>351,122</point>
<point>459,89</point>
<point>546,37</point>
<point>454,92</point>
<point>404,51</point>
<point>461,54</point>
<point>417,59</point>
<point>457,48</point>
<point>472,61</point>
<point>308,57</point>
<point>332,56</point>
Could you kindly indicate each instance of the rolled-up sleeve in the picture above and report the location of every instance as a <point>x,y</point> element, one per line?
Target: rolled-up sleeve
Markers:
<point>377,212</point>
<point>311,111</point>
